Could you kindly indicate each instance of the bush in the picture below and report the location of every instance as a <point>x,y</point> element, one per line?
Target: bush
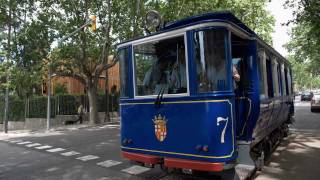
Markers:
<point>60,105</point>
<point>16,108</point>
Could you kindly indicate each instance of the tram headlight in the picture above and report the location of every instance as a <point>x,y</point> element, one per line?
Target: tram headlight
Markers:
<point>153,19</point>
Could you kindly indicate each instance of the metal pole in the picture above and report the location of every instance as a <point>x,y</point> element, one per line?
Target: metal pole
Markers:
<point>49,97</point>
<point>6,107</point>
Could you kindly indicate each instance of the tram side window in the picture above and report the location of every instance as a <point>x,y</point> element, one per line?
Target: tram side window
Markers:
<point>269,78</point>
<point>210,57</point>
<point>275,77</point>
<point>160,67</point>
<point>280,80</point>
<point>286,79</point>
<point>262,75</point>
<point>124,78</point>
<point>290,81</point>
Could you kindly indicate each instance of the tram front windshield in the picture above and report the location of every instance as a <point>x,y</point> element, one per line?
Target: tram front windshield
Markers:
<point>160,67</point>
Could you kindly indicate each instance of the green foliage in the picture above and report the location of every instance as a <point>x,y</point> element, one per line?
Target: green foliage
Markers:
<point>60,89</point>
<point>251,12</point>
<point>17,109</point>
<point>302,76</point>
<point>305,42</point>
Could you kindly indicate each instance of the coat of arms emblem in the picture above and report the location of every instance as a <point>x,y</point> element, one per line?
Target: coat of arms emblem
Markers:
<point>160,127</point>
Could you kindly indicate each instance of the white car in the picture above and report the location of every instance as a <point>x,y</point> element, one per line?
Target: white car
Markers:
<point>315,102</point>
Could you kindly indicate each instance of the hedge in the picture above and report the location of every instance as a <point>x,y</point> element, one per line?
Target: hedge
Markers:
<point>36,107</point>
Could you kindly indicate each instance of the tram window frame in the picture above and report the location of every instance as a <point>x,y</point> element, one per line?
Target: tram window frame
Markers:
<point>136,95</point>
<point>197,54</point>
<point>124,71</point>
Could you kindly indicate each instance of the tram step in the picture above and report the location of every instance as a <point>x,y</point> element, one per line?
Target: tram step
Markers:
<point>244,171</point>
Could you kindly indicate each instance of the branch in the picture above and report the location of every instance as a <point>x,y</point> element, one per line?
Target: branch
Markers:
<point>101,68</point>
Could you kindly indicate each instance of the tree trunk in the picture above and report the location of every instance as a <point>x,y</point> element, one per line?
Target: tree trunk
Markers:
<point>93,111</point>
<point>107,114</point>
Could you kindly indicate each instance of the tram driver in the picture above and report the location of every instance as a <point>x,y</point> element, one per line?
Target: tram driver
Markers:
<point>168,74</point>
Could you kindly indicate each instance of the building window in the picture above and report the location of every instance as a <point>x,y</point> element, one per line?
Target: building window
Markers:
<point>210,59</point>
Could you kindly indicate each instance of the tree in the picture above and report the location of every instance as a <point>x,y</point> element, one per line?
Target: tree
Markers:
<point>82,56</point>
<point>305,43</point>
<point>252,12</point>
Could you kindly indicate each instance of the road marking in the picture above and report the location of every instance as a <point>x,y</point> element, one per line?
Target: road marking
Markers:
<point>43,147</point>
<point>87,158</point>
<point>135,170</point>
<point>25,142</point>
<point>15,141</point>
<point>70,153</point>
<point>55,150</point>
<point>109,163</point>
<point>33,145</point>
<point>7,140</point>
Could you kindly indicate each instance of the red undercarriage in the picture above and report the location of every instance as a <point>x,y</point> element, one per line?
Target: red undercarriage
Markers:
<point>174,163</point>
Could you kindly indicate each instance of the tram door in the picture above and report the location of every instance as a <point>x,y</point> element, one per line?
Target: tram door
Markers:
<point>241,58</point>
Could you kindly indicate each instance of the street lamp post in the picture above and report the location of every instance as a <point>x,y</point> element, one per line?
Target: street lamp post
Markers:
<point>49,97</point>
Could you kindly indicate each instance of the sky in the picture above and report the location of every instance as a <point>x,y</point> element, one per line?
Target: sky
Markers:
<point>281,33</point>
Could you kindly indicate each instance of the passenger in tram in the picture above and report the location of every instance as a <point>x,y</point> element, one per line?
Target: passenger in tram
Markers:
<point>178,77</point>
<point>235,76</point>
<point>157,78</point>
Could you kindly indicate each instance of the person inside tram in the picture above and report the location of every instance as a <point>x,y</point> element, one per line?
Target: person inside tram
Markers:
<point>235,73</point>
<point>235,76</point>
<point>157,78</point>
<point>168,74</point>
<point>178,77</point>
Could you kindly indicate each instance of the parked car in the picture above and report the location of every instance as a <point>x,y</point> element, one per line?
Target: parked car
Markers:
<point>315,102</point>
<point>306,96</point>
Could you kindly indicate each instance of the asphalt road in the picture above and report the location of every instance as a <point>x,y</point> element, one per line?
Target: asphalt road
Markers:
<point>94,153</point>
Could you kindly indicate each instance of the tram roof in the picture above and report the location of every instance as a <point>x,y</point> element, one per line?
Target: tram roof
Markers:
<point>223,16</point>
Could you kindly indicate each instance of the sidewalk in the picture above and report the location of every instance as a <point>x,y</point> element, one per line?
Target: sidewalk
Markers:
<point>298,156</point>
<point>53,131</point>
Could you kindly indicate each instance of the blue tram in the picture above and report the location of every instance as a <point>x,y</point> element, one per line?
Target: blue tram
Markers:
<point>181,105</point>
